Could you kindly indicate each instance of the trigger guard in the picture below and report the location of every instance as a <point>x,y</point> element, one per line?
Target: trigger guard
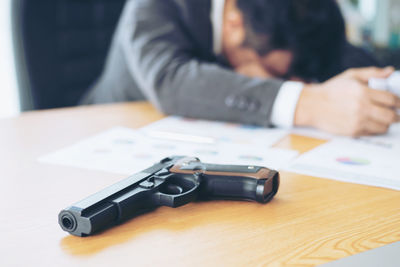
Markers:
<point>187,190</point>
<point>175,201</point>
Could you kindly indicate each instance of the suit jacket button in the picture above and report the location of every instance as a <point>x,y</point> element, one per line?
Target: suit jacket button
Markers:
<point>254,106</point>
<point>242,103</point>
<point>230,101</point>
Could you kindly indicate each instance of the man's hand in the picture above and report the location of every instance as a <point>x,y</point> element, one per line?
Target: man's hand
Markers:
<point>345,105</point>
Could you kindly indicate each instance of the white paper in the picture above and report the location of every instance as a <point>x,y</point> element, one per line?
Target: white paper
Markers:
<point>368,160</point>
<point>390,140</point>
<point>212,132</point>
<point>392,136</point>
<point>126,151</point>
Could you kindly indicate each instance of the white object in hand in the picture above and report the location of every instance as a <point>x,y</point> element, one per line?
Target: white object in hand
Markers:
<point>391,84</point>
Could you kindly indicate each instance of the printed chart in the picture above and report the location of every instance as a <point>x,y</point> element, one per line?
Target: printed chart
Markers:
<point>353,161</point>
<point>211,132</point>
<point>125,151</point>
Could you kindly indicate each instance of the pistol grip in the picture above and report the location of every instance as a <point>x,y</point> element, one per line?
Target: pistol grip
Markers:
<point>260,190</point>
<point>231,181</point>
<point>241,186</point>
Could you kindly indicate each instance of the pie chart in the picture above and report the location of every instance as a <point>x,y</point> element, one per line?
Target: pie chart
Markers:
<point>353,161</point>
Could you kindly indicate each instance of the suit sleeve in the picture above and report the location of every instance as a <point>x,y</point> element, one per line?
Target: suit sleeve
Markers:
<point>161,57</point>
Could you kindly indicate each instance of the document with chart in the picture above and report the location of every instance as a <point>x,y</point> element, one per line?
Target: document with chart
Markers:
<point>213,132</point>
<point>125,151</point>
<point>368,160</point>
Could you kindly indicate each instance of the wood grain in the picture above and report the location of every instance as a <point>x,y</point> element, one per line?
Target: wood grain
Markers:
<point>311,221</point>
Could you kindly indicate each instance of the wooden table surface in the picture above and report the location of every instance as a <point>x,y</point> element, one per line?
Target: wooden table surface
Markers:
<point>311,221</point>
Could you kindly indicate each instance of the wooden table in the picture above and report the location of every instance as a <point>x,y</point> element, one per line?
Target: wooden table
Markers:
<point>311,221</point>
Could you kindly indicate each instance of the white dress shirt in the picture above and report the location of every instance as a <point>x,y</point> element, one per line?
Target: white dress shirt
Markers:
<point>285,104</point>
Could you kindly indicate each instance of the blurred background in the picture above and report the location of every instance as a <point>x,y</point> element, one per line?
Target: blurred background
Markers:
<point>9,104</point>
<point>375,25</point>
<point>79,34</point>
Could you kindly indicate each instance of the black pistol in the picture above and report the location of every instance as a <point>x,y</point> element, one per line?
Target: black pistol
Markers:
<point>173,182</point>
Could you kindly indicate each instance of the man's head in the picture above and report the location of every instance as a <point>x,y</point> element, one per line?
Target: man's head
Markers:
<point>302,37</point>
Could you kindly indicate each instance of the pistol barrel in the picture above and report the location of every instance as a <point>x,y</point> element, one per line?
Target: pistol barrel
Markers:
<point>112,204</point>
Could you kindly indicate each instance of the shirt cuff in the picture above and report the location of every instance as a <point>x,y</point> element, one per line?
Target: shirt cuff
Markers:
<point>285,104</point>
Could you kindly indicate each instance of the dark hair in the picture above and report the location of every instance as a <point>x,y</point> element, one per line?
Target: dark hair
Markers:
<point>314,30</point>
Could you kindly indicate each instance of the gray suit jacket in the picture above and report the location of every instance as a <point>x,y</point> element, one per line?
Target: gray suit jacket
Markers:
<point>162,51</point>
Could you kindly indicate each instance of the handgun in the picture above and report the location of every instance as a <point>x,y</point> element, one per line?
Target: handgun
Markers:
<point>173,182</point>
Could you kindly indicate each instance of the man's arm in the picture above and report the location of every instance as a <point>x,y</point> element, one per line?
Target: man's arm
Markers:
<point>342,105</point>
<point>162,58</point>
<point>345,104</point>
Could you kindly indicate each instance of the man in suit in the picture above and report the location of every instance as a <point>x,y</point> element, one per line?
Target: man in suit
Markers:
<point>264,62</point>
